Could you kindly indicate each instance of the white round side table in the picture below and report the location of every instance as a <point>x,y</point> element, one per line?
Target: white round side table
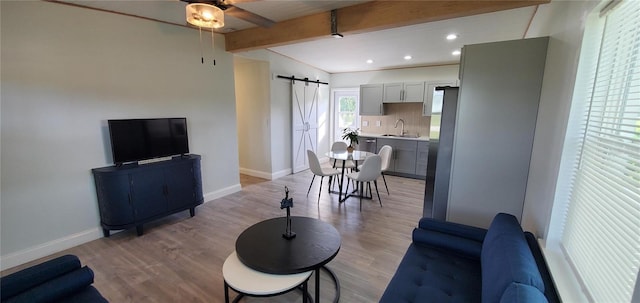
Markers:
<point>247,281</point>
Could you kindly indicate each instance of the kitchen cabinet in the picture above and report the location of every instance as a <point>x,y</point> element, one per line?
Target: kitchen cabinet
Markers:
<point>421,158</point>
<point>403,92</point>
<point>131,195</point>
<point>371,100</point>
<point>433,99</point>
<point>495,126</point>
<point>403,155</point>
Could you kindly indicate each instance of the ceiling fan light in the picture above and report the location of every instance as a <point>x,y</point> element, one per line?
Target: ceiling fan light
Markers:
<point>204,15</point>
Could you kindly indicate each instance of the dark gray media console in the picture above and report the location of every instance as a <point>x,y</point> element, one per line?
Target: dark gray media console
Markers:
<point>130,195</point>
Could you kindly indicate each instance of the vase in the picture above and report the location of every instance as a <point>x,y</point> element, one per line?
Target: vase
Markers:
<point>350,149</point>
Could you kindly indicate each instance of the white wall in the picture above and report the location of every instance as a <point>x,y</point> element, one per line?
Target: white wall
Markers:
<point>253,108</point>
<point>564,22</point>
<point>431,73</point>
<point>280,110</point>
<point>65,71</point>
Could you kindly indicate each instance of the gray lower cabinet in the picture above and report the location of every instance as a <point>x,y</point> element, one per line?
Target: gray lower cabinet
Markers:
<point>403,156</point>
<point>421,158</point>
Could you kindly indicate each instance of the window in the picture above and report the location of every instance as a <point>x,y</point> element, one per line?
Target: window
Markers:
<point>346,111</point>
<point>600,233</point>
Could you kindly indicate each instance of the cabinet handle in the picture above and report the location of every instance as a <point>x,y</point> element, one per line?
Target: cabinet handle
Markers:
<point>129,197</point>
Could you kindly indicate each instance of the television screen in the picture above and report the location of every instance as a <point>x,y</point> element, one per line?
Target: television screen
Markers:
<point>142,139</point>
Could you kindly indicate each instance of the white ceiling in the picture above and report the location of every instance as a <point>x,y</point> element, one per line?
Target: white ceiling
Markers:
<point>426,42</point>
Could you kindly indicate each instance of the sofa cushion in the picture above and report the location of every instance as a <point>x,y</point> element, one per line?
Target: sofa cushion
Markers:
<point>435,275</point>
<point>506,258</point>
<point>521,293</point>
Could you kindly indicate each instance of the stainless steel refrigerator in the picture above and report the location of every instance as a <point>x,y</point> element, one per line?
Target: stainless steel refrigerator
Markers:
<point>443,118</point>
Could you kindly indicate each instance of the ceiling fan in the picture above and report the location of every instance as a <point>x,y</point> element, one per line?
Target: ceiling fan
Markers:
<point>201,17</point>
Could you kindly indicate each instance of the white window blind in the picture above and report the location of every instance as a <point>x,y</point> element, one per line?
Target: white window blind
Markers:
<point>601,235</point>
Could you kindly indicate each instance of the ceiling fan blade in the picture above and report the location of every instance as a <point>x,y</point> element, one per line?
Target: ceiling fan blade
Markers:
<point>248,16</point>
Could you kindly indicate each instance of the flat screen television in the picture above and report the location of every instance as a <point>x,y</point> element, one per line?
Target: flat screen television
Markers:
<point>143,139</point>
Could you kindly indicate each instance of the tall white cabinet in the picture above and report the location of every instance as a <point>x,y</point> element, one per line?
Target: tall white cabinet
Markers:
<point>495,125</point>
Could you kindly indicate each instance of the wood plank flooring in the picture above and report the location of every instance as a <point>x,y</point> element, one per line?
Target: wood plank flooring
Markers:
<point>179,259</point>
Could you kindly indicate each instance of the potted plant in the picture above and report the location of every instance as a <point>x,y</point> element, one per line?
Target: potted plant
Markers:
<point>352,136</point>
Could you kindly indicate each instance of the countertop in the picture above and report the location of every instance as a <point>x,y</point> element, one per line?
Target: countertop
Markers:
<point>381,136</point>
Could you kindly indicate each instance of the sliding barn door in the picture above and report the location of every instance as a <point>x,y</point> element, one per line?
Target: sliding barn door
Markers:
<point>304,111</point>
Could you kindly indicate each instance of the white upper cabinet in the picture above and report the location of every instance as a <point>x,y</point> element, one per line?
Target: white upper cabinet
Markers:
<point>371,100</point>
<point>403,92</point>
<point>433,98</point>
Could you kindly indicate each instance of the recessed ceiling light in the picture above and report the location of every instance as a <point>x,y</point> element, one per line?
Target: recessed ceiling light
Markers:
<point>456,52</point>
<point>407,57</point>
<point>452,36</point>
<point>369,61</point>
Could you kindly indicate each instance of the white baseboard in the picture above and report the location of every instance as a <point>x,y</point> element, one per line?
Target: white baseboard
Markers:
<point>222,192</point>
<point>280,174</point>
<point>255,173</point>
<point>48,248</point>
<point>51,247</point>
<point>265,175</point>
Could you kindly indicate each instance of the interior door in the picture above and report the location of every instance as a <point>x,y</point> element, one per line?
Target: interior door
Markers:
<point>304,112</point>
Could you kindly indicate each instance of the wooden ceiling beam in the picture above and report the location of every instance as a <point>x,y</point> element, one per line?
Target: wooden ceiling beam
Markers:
<point>364,17</point>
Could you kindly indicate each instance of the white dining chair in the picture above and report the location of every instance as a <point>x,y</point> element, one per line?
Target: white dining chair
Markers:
<point>385,154</point>
<point>369,171</point>
<point>337,147</point>
<point>317,170</point>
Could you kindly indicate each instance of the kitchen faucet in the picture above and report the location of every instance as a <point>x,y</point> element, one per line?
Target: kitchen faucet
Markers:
<point>402,129</point>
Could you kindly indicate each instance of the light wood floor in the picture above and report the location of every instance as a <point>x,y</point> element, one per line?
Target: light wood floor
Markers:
<point>179,259</point>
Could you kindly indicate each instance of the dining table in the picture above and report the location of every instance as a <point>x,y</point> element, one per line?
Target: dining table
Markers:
<point>344,156</point>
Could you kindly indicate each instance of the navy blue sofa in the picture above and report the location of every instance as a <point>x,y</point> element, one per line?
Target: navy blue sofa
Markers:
<point>449,262</point>
<point>62,279</point>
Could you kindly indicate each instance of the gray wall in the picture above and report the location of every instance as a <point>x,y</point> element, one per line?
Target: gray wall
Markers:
<point>563,22</point>
<point>495,125</point>
<point>430,73</point>
<point>65,71</point>
<point>279,114</point>
<point>253,108</point>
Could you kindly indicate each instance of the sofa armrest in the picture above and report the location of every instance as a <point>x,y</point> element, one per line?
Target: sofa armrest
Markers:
<point>454,229</point>
<point>57,289</point>
<point>448,242</point>
<point>30,277</point>
<point>550,290</point>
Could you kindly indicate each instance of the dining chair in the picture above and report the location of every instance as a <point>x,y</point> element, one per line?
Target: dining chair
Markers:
<point>317,170</point>
<point>338,147</point>
<point>341,146</point>
<point>369,171</point>
<point>384,153</point>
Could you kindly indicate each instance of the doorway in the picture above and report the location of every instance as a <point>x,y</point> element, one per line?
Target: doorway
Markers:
<point>346,110</point>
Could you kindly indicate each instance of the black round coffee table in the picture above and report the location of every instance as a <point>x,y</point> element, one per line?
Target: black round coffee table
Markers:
<point>263,248</point>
